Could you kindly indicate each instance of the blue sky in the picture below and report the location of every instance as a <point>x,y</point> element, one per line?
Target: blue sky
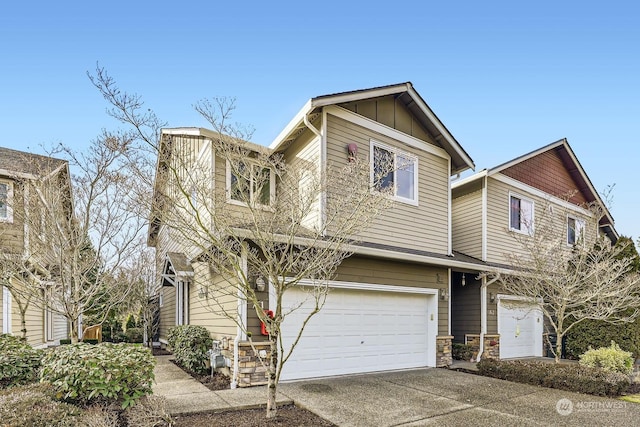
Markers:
<point>505,77</point>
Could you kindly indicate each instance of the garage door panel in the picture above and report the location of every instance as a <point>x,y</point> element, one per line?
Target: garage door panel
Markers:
<point>357,331</point>
<point>520,328</point>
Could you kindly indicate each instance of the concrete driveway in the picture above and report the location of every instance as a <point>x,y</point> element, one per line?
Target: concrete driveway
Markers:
<point>449,398</point>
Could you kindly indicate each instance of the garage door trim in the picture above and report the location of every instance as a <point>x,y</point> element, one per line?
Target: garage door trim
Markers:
<point>537,345</point>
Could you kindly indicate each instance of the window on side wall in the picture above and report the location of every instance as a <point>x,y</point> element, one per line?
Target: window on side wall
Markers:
<point>575,230</point>
<point>6,199</point>
<point>394,171</point>
<point>249,183</point>
<point>520,214</point>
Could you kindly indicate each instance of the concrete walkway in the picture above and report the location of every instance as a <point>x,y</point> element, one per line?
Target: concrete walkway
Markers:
<point>185,395</point>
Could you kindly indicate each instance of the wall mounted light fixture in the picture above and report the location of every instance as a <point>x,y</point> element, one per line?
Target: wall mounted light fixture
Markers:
<point>492,297</point>
<point>260,284</point>
<point>464,280</point>
<point>203,292</point>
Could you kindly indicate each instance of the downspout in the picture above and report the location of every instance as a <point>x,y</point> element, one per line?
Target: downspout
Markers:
<point>312,128</point>
<point>483,312</point>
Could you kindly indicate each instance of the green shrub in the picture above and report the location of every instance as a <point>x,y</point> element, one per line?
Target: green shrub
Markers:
<point>19,362</point>
<point>189,344</point>
<point>612,359</point>
<point>596,333</point>
<point>461,351</point>
<point>563,376</point>
<point>134,335</point>
<point>34,405</point>
<point>99,373</point>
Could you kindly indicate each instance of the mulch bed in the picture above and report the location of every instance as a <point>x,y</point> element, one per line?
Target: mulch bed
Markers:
<point>289,415</point>
<point>216,382</point>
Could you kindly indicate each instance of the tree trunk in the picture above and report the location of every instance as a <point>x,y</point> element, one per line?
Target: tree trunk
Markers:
<point>74,332</point>
<point>559,347</point>
<point>272,385</point>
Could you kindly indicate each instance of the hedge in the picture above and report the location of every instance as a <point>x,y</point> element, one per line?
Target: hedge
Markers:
<point>563,376</point>
<point>104,372</point>
<point>595,334</point>
<point>19,362</point>
<point>189,344</point>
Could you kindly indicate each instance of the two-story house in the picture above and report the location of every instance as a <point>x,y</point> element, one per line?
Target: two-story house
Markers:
<point>388,305</point>
<point>492,210</point>
<point>22,226</point>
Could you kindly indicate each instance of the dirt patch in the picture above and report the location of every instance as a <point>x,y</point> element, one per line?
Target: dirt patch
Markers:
<point>214,382</point>
<point>158,351</point>
<point>289,415</point>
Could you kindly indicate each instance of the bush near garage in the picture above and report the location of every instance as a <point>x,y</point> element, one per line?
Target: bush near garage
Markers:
<point>189,344</point>
<point>612,359</point>
<point>569,376</point>
<point>596,333</point>
<point>461,351</point>
<point>19,362</point>
<point>83,373</point>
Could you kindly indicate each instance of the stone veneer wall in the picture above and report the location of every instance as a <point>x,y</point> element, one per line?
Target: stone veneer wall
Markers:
<point>443,350</point>
<point>491,345</point>
<point>252,370</point>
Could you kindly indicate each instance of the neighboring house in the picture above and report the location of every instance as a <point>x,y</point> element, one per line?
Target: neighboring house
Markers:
<point>21,227</point>
<point>389,305</point>
<point>489,209</point>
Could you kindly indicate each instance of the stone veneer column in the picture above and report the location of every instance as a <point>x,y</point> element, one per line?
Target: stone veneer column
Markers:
<point>491,347</point>
<point>443,350</point>
<point>252,370</point>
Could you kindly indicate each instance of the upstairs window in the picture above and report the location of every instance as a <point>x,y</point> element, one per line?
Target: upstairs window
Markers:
<point>520,214</point>
<point>6,196</point>
<point>394,171</point>
<point>575,230</point>
<point>250,184</point>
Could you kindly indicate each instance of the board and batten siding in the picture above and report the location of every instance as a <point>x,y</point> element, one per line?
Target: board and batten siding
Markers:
<point>466,224</point>
<point>502,242</point>
<point>422,227</point>
<point>385,272</point>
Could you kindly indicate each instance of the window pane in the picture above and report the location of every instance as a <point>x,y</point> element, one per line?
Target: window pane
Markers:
<point>405,176</point>
<point>515,213</point>
<point>382,168</point>
<point>571,231</point>
<point>239,184</point>
<point>262,186</point>
<point>3,200</point>
<point>526,215</point>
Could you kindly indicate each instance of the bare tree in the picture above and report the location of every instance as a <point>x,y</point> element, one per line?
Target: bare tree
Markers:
<point>270,224</point>
<point>86,233</point>
<point>571,284</point>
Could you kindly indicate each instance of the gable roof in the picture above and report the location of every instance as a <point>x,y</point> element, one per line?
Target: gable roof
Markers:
<point>460,160</point>
<point>14,163</point>
<point>562,152</point>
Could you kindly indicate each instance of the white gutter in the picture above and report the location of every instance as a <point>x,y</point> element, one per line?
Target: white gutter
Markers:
<point>483,312</point>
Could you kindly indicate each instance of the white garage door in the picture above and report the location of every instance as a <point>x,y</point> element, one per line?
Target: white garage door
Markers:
<point>358,331</point>
<point>520,326</point>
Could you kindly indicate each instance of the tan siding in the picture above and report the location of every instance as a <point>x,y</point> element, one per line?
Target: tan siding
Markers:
<point>60,327</point>
<point>466,223</point>
<point>12,233</point>
<point>210,312</point>
<point>34,323</point>
<point>383,272</point>
<point>305,155</point>
<point>422,227</point>
<point>167,311</point>
<point>501,241</point>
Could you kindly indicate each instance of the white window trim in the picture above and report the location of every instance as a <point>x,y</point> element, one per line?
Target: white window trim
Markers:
<point>9,217</point>
<point>6,310</point>
<point>582,231</point>
<point>396,151</point>
<point>529,231</point>
<point>272,186</point>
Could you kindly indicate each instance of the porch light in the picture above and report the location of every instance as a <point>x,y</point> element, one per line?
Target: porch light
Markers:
<point>492,297</point>
<point>444,294</point>
<point>464,280</point>
<point>203,292</point>
<point>260,284</point>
